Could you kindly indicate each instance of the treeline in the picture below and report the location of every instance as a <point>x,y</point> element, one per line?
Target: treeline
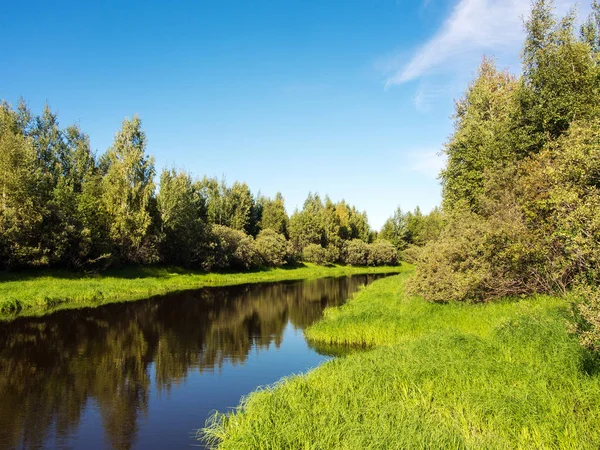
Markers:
<point>521,189</point>
<point>62,206</point>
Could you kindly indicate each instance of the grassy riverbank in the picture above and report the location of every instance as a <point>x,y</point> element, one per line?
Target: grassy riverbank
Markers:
<point>36,293</point>
<point>498,375</point>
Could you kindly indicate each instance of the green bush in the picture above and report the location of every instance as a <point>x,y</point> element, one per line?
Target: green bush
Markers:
<point>357,253</point>
<point>314,253</point>
<point>231,249</point>
<point>411,254</point>
<point>332,254</point>
<point>382,253</point>
<point>272,248</point>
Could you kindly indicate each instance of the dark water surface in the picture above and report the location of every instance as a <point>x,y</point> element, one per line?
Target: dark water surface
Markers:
<point>147,374</point>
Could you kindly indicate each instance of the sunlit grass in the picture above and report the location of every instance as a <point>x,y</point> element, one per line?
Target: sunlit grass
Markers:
<point>34,293</point>
<point>495,376</point>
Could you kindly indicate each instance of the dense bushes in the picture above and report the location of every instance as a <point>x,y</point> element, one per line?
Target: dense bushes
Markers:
<point>382,253</point>
<point>272,248</point>
<point>357,253</point>
<point>231,249</point>
<point>522,182</point>
<point>314,253</point>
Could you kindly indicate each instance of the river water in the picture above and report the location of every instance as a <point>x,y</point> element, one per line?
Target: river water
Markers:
<point>148,374</point>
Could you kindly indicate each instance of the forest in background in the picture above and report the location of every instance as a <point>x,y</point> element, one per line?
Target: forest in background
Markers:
<point>62,206</point>
<point>521,188</point>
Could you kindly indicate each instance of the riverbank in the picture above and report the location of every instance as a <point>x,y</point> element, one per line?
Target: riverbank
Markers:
<point>497,375</point>
<point>34,293</point>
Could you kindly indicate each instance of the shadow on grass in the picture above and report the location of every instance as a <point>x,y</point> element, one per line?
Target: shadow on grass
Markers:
<point>126,272</point>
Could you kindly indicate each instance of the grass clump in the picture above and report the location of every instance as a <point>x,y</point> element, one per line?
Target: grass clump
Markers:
<point>37,293</point>
<point>499,375</point>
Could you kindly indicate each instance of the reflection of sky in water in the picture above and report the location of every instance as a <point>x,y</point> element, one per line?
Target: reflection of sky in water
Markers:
<point>148,374</point>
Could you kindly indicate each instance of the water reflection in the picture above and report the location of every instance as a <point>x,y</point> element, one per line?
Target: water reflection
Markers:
<point>55,369</point>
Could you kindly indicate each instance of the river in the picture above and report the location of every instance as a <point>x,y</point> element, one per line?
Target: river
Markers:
<point>148,374</point>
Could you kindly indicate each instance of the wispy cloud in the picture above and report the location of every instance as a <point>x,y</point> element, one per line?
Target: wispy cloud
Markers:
<point>428,94</point>
<point>473,28</point>
<point>427,163</point>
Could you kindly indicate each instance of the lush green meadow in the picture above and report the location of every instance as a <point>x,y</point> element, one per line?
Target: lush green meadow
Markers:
<point>36,293</point>
<point>495,375</point>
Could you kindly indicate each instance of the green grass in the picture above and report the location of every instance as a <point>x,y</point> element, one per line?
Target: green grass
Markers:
<point>495,376</point>
<point>40,292</point>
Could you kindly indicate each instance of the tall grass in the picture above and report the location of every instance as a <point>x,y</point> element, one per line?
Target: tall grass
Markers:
<point>36,293</point>
<point>496,376</point>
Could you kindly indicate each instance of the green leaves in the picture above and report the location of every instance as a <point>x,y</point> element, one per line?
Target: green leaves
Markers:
<point>127,191</point>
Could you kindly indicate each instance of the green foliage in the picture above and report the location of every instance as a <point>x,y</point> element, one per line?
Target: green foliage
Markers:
<point>183,219</point>
<point>273,215</point>
<point>382,253</point>
<point>424,228</point>
<point>20,202</point>
<point>395,230</point>
<point>306,226</point>
<point>357,253</point>
<point>272,248</point>
<point>412,228</point>
<point>522,184</point>
<point>62,207</point>
<point>314,253</point>
<point>481,139</point>
<point>127,192</point>
<point>586,299</point>
<point>231,249</point>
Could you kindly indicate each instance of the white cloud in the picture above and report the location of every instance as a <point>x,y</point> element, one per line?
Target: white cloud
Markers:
<point>474,27</point>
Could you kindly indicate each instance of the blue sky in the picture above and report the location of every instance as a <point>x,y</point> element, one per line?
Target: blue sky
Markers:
<point>341,97</point>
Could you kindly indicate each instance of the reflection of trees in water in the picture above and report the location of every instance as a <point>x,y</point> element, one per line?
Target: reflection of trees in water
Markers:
<point>50,368</point>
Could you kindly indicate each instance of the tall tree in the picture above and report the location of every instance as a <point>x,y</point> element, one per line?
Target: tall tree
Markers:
<point>183,219</point>
<point>274,216</point>
<point>20,198</point>
<point>128,190</point>
<point>395,229</point>
<point>482,139</point>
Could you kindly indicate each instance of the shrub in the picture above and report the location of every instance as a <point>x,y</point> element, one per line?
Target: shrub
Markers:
<point>478,258</point>
<point>411,254</point>
<point>357,253</point>
<point>588,312</point>
<point>382,253</point>
<point>272,248</point>
<point>230,248</point>
<point>314,253</point>
<point>332,254</point>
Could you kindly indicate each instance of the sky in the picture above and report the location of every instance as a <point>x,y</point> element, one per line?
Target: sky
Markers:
<point>346,98</point>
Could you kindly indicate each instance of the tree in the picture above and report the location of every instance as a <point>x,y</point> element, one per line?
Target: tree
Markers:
<point>20,202</point>
<point>395,230</point>
<point>306,226</point>
<point>183,219</point>
<point>559,80</point>
<point>128,190</point>
<point>482,139</point>
<point>240,205</point>
<point>274,216</point>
